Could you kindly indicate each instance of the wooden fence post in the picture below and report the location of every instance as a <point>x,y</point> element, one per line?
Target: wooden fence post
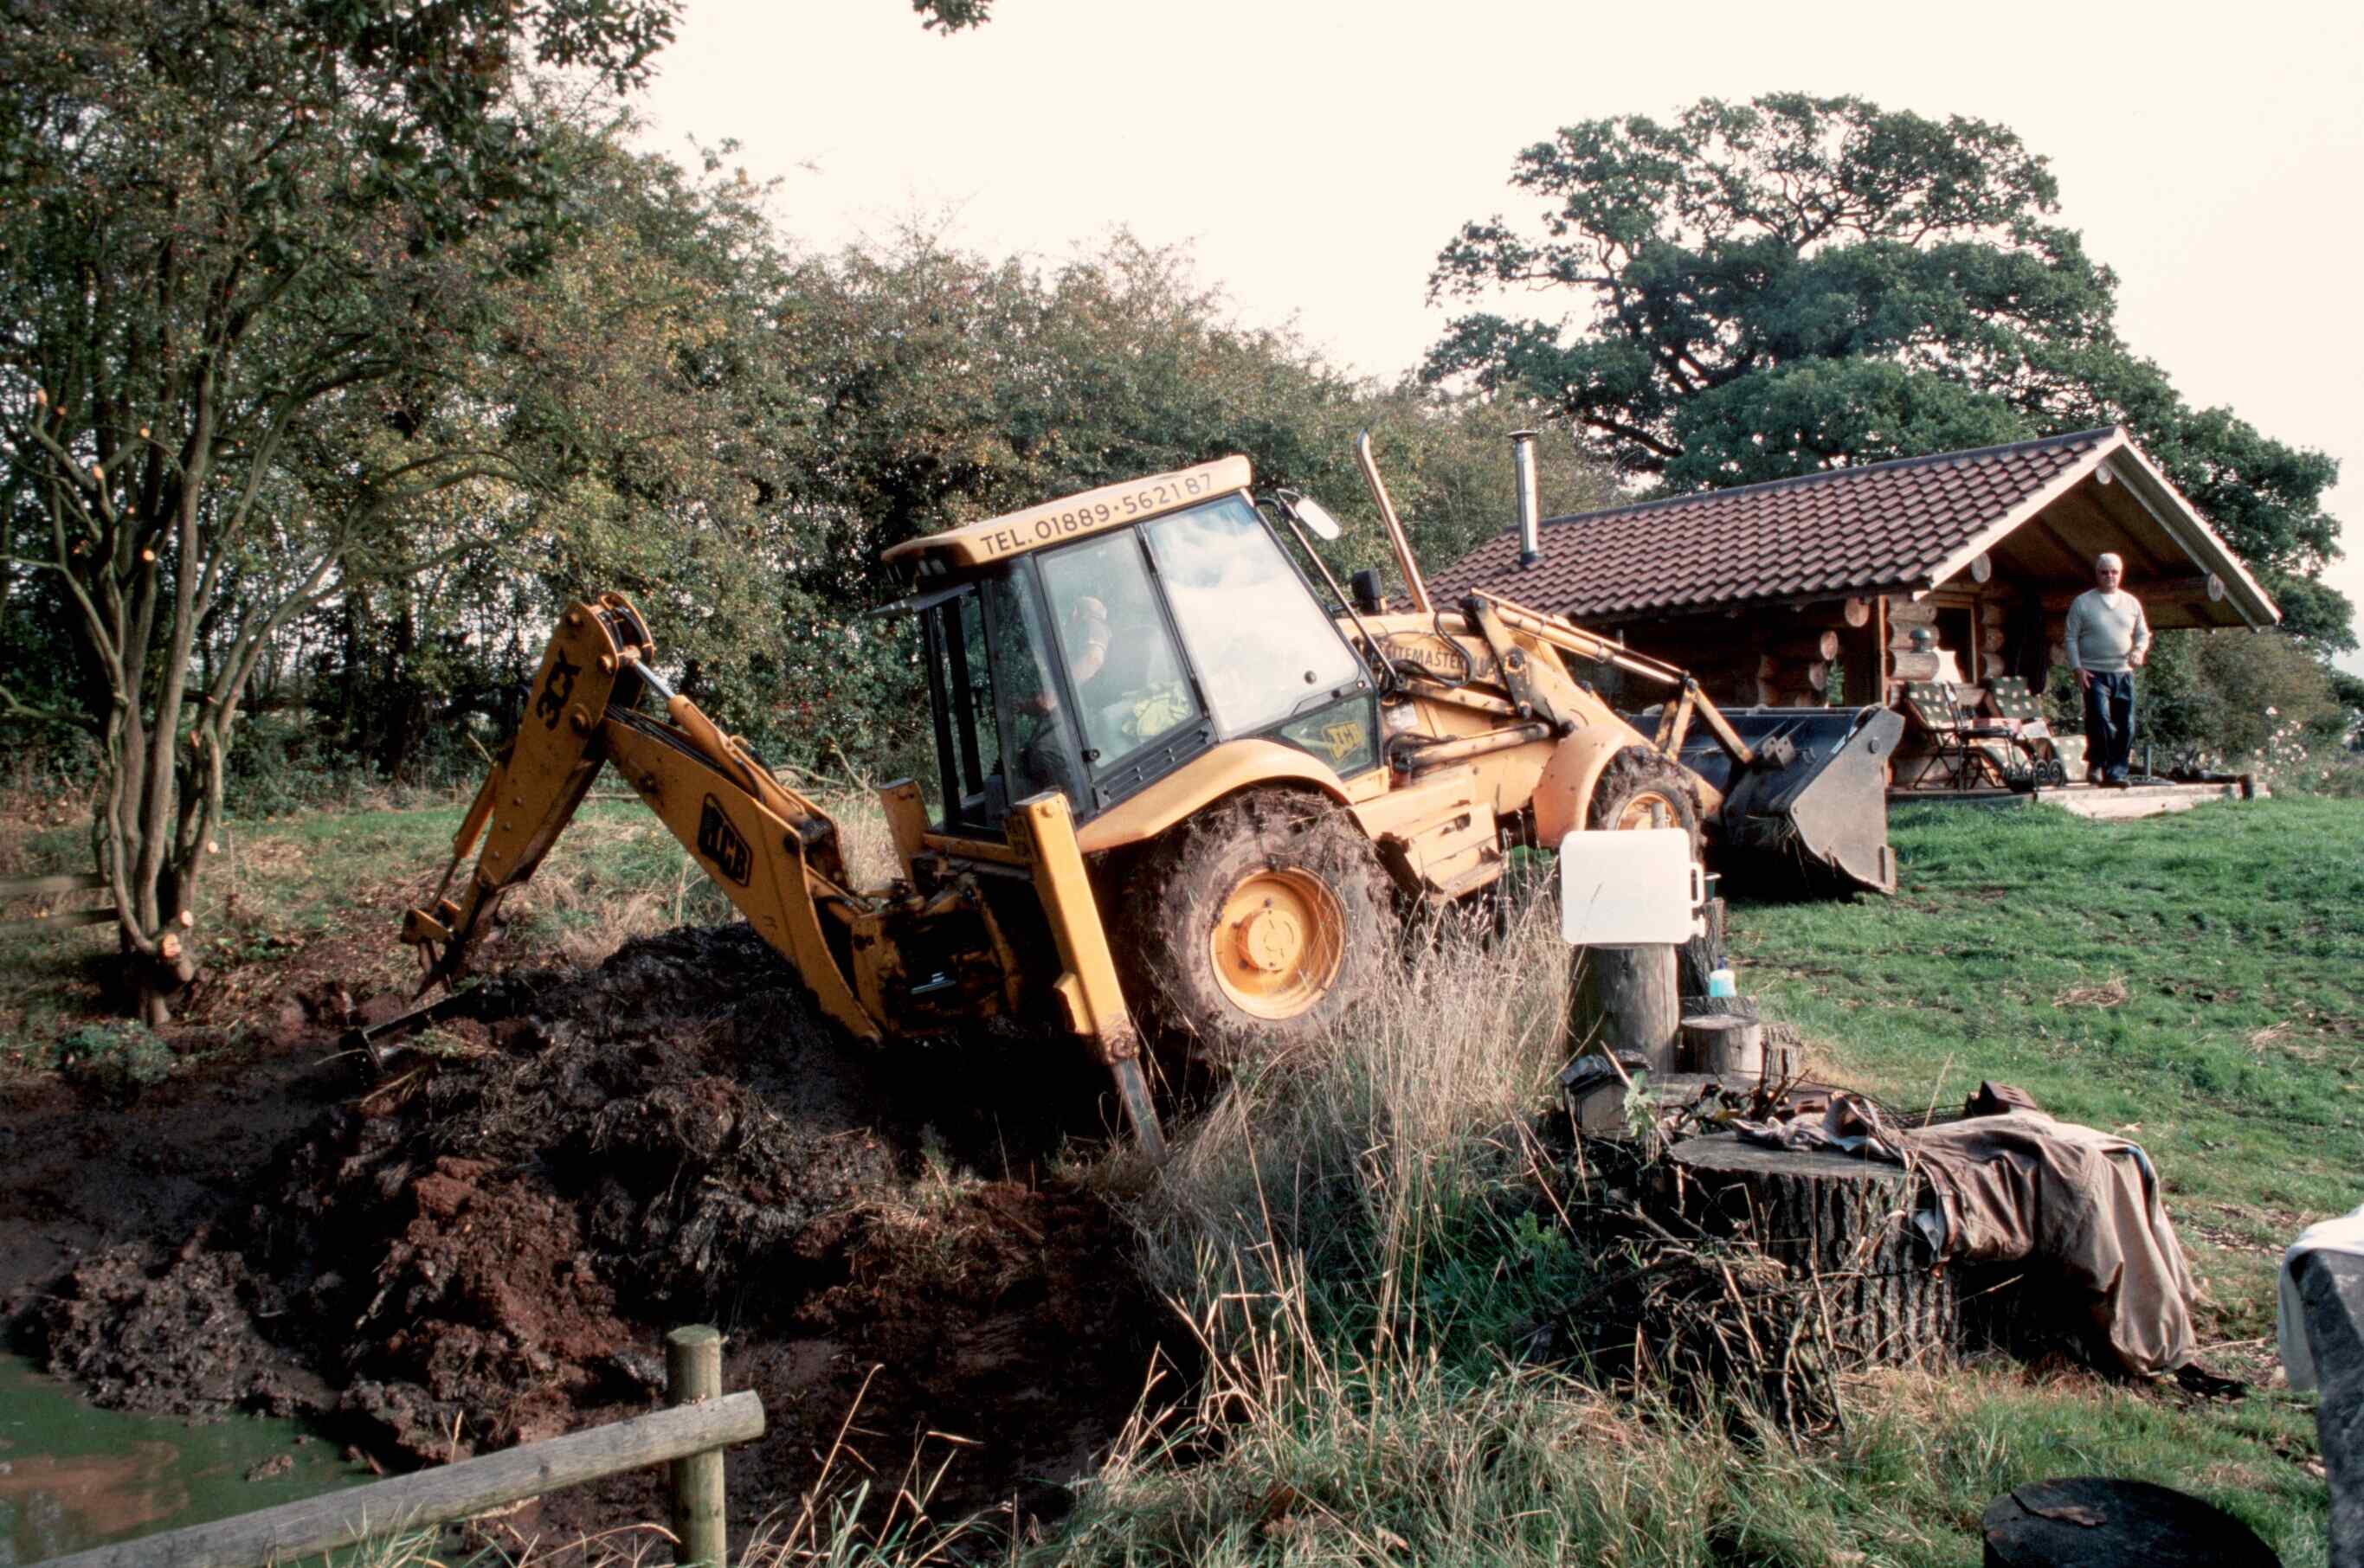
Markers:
<point>694,1374</point>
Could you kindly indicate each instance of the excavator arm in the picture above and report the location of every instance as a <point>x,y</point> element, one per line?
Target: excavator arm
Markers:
<point>535,787</point>
<point>773,852</point>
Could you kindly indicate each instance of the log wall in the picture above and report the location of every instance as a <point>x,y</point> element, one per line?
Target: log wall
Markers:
<point>1860,650</point>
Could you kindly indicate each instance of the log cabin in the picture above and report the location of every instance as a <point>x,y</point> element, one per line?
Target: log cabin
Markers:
<point>1843,587</point>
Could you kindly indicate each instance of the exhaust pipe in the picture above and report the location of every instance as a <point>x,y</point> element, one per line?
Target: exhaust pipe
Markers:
<point>1531,524</point>
<point>1414,583</point>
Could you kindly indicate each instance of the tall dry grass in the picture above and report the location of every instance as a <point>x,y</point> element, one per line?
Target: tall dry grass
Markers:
<point>862,836</point>
<point>1341,1232</point>
<point>1349,1151</point>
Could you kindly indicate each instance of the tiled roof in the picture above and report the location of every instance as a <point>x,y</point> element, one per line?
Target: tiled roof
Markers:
<point>1890,526</point>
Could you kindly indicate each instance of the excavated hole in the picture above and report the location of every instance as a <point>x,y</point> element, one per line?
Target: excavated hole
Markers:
<point>487,1247</point>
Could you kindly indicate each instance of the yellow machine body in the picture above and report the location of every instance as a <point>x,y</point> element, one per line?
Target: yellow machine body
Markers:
<point>1454,733</point>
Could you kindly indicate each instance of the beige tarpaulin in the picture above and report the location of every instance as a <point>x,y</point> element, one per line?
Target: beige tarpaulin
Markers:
<point>2020,1187</point>
<point>2086,1204</point>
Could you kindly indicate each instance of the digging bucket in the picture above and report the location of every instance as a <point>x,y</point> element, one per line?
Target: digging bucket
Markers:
<point>1817,822</point>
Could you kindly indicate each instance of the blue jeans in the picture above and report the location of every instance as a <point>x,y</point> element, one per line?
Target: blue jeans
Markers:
<point>2109,721</point>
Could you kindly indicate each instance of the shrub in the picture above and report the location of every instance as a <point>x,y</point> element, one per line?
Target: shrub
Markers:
<point>2263,681</point>
<point>116,1059</point>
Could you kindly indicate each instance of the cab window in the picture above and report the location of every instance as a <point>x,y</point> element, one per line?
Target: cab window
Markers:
<point>1119,653</point>
<point>1039,747</point>
<point>1265,649</point>
<point>960,693</point>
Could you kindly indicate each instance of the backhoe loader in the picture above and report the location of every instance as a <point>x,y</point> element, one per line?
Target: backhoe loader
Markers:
<point>1172,782</point>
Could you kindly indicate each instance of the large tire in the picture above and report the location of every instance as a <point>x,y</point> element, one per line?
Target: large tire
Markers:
<point>1639,788</point>
<point>1251,927</point>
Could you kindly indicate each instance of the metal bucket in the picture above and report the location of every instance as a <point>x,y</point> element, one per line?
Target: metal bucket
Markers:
<point>1819,819</point>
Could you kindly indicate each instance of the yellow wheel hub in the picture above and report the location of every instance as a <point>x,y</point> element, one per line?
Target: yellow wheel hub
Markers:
<point>1647,809</point>
<point>1278,943</point>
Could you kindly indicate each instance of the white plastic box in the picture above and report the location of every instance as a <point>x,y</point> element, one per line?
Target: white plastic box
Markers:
<point>1630,887</point>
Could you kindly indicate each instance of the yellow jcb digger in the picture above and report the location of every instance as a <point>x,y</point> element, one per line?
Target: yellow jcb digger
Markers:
<point>1171,779</point>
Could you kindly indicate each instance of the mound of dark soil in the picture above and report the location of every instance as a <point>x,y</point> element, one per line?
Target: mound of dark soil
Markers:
<point>174,1337</point>
<point>487,1248</point>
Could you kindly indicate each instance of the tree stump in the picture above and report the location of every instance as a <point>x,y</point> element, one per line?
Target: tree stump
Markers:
<point>1623,999</point>
<point>2087,1521</point>
<point>1784,1048</point>
<point>1703,955</point>
<point>1721,1043</point>
<point>1842,1226</point>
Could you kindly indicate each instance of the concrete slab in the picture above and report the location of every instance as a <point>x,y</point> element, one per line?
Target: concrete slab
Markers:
<point>2139,800</point>
<point>2090,800</point>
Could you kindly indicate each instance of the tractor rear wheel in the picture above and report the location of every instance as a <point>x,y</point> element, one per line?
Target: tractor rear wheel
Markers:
<point>1249,928</point>
<point>1639,788</point>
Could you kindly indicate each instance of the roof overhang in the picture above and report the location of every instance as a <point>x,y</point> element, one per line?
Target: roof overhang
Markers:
<point>2187,528</point>
<point>2219,576</point>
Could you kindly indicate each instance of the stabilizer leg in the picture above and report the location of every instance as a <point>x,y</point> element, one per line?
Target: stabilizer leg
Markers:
<point>1044,830</point>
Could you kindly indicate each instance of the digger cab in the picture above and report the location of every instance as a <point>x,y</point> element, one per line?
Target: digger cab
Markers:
<point>1095,646</point>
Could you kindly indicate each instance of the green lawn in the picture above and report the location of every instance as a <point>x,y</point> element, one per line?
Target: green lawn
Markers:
<point>2191,981</point>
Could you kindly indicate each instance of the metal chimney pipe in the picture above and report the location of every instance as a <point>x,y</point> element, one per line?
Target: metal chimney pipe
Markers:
<point>1531,523</point>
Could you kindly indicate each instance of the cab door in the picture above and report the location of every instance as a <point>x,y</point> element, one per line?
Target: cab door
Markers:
<point>1002,733</point>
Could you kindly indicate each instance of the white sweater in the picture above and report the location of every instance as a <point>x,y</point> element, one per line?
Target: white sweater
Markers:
<point>2106,631</point>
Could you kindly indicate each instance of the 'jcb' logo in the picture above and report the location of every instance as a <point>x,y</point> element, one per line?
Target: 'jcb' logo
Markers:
<point>1341,740</point>
<point>557,690</point>
<point>721,842</point>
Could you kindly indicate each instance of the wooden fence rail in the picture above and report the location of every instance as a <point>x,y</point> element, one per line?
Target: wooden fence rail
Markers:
<point>33,886</point>
<point>72,882</point>
<point>434,1498</point>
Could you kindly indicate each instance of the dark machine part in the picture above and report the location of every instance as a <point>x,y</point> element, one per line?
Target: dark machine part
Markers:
<point>377,1045</point>
<point>1817,797</point>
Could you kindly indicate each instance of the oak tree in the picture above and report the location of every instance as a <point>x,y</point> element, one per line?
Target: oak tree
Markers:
<point>1769,288</point>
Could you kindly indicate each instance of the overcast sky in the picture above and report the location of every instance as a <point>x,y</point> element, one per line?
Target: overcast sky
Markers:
<point>1314,156</point>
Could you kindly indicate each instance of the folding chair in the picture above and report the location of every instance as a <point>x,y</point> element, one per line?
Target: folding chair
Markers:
<point>1955,755</point>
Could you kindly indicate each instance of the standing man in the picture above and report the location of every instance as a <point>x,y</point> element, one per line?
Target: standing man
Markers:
<point>2107,640</point>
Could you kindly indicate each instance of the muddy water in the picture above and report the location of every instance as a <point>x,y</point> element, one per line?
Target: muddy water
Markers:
<point>72,1476</point>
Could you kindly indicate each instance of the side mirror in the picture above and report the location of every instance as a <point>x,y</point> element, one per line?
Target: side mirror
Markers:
<point>1315,517</point>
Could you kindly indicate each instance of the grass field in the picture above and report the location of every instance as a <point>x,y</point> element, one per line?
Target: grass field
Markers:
<point>2191,981</point>
<point>2184,979</point>
<point>1333,1226</point>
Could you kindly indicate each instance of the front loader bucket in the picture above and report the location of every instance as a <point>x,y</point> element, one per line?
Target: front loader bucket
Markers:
<point>1817,820</point>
